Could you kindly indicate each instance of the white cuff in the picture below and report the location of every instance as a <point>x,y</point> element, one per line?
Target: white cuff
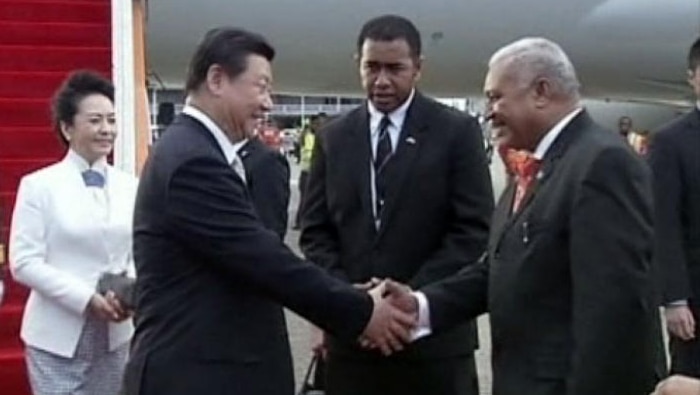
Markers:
<point>423,328</point>
<point>678,303</point>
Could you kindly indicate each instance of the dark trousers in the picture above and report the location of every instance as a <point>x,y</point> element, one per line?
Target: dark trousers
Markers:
<point>685,355</point>
<point>303,180</point>
<point>448,376</point>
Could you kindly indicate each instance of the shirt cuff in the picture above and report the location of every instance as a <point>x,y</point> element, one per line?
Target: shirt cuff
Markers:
<point>678,303</point>
<point>423,328</point>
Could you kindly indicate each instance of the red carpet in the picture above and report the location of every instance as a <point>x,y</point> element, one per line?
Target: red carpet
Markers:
<point>40,42</point>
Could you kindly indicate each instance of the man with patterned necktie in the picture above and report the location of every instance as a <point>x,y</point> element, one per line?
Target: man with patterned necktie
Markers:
<point>567,278</point>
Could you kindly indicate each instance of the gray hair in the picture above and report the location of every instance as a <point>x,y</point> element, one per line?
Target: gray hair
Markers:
<point>535,57</point>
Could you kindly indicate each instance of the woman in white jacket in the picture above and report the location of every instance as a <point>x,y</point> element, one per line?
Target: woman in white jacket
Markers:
<point>71,224</point>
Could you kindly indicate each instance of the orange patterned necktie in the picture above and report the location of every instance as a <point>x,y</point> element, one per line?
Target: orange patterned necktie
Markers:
<point>524,166</point>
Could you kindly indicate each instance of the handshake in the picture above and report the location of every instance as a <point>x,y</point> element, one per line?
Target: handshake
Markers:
<point>394,317</point>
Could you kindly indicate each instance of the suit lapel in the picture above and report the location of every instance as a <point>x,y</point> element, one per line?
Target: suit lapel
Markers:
<point>501,215</point>
<point>247,155</point>
<point>549,162</point>
<point>401,163</point>
<point>358,145</point>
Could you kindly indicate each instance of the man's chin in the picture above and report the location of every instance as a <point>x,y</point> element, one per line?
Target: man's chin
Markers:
<point>385,105</point>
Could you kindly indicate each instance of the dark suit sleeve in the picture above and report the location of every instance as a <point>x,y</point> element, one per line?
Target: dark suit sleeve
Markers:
<point>611,240</point>
<point>272,186</point>
<point>207,211</point>
<point>471,204</point>
<point>319,238</point>
<point>669,253</point>
<point>458,298</point>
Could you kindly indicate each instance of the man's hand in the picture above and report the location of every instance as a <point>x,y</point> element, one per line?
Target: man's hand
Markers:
<point>680,322</point>
<point>318,342</point>
<point>401,296</point>
<point>371,284</point>
<point>678,385</point>
<point>389,327</point>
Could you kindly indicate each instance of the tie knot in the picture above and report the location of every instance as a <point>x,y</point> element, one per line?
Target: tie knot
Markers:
<point>93,178</point>
<point>384,123</point>
<point>239,168</point>
<point>522,163</point>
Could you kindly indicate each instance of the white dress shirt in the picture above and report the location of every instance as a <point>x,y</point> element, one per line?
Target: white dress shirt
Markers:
<point>229,148</point>
<point>424,327</point>
<point>397,118</point>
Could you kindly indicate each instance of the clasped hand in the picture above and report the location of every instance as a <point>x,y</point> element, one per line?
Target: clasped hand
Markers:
<point>394,316</point>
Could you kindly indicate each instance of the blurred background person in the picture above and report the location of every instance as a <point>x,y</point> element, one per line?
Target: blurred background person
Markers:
<point>307,139</point>
<point>624,126</point>
<point>673,155</point>
<point>267,179</point>
<point>71,224</point>
<point>639,140</point>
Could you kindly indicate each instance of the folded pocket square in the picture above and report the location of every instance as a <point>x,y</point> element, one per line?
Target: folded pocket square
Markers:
<point>121,285</point>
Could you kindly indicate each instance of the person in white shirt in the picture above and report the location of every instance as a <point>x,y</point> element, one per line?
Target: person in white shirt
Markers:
<point>71,224</point>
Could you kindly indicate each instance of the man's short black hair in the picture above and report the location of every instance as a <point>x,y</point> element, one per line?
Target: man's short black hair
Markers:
<point>390,28</point>
<point>228,47</point>
<point>694,55</point>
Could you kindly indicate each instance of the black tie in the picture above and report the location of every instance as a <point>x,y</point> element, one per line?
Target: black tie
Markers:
<point>380,160</point>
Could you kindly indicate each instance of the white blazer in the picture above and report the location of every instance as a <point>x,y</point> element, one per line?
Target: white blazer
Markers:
<point>61,241</point>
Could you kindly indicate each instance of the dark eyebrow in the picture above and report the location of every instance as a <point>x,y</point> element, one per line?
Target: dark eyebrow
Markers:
<point>377,63</point>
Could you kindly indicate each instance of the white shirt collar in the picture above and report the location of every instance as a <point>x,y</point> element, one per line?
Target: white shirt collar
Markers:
<point>99,166</point>
<point>229,149</point>
<point>697,105</point>
<point>397,116</point>
<point>553,133</point>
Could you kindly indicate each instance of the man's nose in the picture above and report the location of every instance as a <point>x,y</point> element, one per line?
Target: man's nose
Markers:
<point>382,78</point>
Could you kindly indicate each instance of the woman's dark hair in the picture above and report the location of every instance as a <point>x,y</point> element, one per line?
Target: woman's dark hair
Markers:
<point>78,85</point>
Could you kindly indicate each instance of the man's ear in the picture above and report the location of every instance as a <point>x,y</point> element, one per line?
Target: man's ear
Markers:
<point>691,76</point>
<point>420,61</point>
<point>542,92</point>
<point>215,79</point>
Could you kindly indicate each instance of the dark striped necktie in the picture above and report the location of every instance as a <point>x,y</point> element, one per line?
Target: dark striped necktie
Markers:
<point>384,150</point>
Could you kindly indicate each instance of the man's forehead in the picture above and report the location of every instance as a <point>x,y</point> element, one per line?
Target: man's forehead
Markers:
<point>490,80</point>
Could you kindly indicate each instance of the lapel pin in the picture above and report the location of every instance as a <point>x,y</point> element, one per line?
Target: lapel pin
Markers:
<point>410,140</point>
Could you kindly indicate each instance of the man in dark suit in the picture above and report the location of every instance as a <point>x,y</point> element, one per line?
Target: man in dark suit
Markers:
<point>210,275</point>
<point>399,188</point>
<point>674,156</point>
<point>267,179</point>
<point>567,277</point>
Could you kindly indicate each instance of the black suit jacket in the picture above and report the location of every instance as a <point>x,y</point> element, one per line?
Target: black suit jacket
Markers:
<point>567,280</point>
<point>435,221</point>
<point>267,179</point>
<point>211,278</point>
<point>674,155</point>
